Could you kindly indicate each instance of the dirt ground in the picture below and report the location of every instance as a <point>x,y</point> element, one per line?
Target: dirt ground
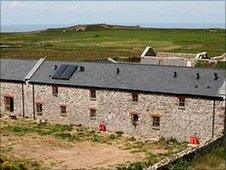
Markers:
<point>57,154</point>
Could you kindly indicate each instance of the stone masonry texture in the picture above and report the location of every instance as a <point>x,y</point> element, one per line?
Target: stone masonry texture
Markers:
<point>115,110</point>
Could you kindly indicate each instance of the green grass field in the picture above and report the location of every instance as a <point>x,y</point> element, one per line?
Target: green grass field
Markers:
<point>101,43</point>
<point>214,160</point>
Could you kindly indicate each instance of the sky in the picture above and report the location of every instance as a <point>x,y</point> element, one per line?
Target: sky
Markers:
<point>112,12</point>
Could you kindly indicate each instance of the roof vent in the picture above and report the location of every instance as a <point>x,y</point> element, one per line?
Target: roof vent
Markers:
<point>197,76</point>
<point>196,86</point>
<point>175,74</point>
<point>208,87</point>
<point>215,76</point>
<point>81,68</point>
<point>55,67</point>
<point>117,71</point>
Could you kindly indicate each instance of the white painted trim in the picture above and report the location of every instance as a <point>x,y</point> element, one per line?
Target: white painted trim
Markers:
<point>34,69</point>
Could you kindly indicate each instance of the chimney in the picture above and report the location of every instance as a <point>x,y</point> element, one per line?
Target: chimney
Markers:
<point>175,74</point>
<point>55,67</point>
<point>82,69</point>
<point>197,76</point>
<point>117,71</point>
<point>215,76</point>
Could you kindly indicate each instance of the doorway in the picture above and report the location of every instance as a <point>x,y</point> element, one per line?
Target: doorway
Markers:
<point>9,104</point>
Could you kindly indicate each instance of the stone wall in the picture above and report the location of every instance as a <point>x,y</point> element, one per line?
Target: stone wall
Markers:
<point>174,61</point>
<point>188,154</point>
<point>169,59</point>
<point>173,55</point>
<point>28,100</point>
<point>115,109</point>
<point>12,90</point>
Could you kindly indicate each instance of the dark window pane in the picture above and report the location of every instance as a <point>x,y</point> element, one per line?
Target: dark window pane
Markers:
<point>135,97</point>
<point>55,90</point>
<point>93,94</point>
<point>135,117</point>
<point>63,109</point>
<point>156,121</point>
<point>93,113</point>
<point>182,101</point>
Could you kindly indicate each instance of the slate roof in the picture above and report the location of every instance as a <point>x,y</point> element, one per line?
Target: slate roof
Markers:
<point>137,77</point>
<point>15,70</point>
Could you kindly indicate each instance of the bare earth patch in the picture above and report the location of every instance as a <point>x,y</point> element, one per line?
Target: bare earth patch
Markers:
<point>57,154</point>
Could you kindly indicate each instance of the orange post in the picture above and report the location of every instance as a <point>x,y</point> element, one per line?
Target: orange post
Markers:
<point>102,127</point>
<point>194,140</point>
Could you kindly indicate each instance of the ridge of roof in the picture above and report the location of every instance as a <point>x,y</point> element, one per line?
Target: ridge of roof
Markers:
<point>119,63</point>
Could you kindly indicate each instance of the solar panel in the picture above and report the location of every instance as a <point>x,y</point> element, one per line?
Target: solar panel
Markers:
<point>60,71</point>
<point>69,72</point>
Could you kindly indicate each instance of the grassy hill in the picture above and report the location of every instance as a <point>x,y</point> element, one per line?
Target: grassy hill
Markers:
<point>103,41</point>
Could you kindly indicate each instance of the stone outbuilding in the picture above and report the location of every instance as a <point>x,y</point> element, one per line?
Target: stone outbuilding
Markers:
<point>149,56</point>
<point>139,99</point>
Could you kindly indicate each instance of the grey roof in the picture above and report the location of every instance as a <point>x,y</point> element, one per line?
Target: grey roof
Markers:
<point>137,77</point>
<point>15,70</point>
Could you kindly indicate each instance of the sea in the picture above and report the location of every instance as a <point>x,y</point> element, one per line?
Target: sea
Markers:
<point>37,27</point>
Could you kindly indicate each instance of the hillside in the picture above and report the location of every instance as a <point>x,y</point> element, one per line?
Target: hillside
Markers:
<point>101,41</point>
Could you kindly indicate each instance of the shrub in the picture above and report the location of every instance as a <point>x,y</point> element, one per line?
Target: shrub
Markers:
<point>19,129</point>
<point>179,165</point>
<point>132,138</point>
<point>112,136</point>
<point>36,165</point>
<point>221,64</point>
<point>22,166</point>
<point>97,138</point>
<point>119,133</point>
<point>152,158</point>
<point>172,141</point>
<point>97,35</point>
<point>132,166</point>
<point>204,64</point>
<point>66,136</point>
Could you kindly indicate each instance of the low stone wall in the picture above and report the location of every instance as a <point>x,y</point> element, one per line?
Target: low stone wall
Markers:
<point>179,55</point>
<point>177,61</point>
<point>188,153</point>
<point>173,61</point>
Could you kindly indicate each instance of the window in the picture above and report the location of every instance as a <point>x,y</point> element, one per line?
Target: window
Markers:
<point>182,101</point>
<point>135,97</point>
<point>93,94</point>
<point>63,110</point>
<point>39,108</point>
<point>55,90</point>
<point>134,119</point>
<point>93,113</point>
<point>156,121</point>
<point>9,104</point>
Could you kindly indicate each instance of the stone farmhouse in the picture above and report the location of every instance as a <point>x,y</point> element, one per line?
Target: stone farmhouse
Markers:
<point>139,99</point>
